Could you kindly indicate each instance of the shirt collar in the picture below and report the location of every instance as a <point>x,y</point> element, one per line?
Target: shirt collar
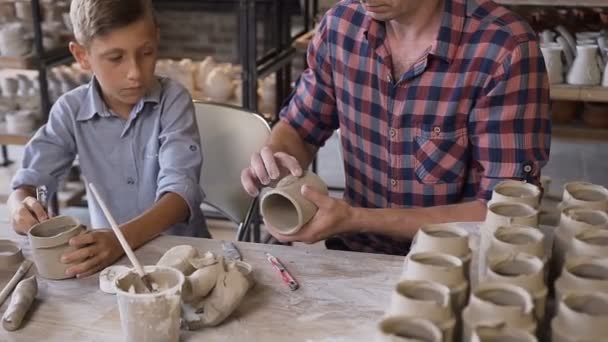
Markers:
<point>448,38</point>
<point>95,105</point>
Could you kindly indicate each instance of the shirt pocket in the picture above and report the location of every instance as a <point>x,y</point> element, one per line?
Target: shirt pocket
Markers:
<point>440,153</point>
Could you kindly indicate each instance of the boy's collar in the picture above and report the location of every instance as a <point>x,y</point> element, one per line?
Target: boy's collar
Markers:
<point>95,105</point>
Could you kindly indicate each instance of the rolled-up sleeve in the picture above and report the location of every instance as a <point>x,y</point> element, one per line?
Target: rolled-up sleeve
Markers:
<point>50,153</point>
<point>311,110</point>
<point>510,125</point>
<point>180,156</point>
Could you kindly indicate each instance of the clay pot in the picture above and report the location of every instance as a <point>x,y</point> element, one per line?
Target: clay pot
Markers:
<point>442,268</point>
<point>494,304</point>
<point>284,208</point>
<point>516,191</point>
<point>425,299</point>
<point>581,317</point>
<point>21,122</point>
<point>517,238</point>
<point>14,41</point>
<point>590,242</point>
<point>584,194</point>
<point>406,329</point>
<point>149,316</point>
<point>218,85</point>
<point>10,254</point>
<point>594,114</point>
<point>523,270</point>
<point>49,240</point>
<point>582,274</point>
<point>574,221</point>
<point>444,238</point>
<point>501,333</point>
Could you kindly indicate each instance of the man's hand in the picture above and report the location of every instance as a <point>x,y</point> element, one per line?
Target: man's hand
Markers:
<point>26,214</point>
<point>96,250</point>
<point>333,217</point>
<point>267,166</point>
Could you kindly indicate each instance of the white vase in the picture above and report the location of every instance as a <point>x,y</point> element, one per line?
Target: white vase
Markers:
<point>581,317</point>
<point>582,274</point>
<point>425,299</point>
<point>553,61</point>
<point>585,69</point>
<point>492,304</point>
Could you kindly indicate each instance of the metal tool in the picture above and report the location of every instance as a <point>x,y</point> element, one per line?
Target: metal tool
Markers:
<point>230,251</point>
<point>42,195</point>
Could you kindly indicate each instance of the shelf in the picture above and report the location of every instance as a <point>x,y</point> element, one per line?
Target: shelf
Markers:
<point>30,62</point>
<point>14,139</point>
<point>564,3</point>
<point>574,131</point>
<point>578,93</point>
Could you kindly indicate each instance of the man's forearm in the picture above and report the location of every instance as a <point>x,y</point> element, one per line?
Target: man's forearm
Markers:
<point>404,223</point>
<point>170,209</point>
<point>284,138</point>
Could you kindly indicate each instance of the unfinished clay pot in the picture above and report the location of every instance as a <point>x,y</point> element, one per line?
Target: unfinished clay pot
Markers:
<point>590,242</point>
<point>407,329</point>
<point>582,274</point>
<point>518,239</point>
<point>574,221</point>
<point>10,254</point>
<point>179,257</point>
<point>585,195</point>
<point>284,207</point>
<point>493,304</point>
<point>581,317</point>
<point>523,270</point>
<point>149,316</point>
<point>445,238</point>
<point>49,241</point>
<point>516,191</point>
<point>501,333</point>
<point>425,299</point>
<point>442,268</point>
<point>107,277</point>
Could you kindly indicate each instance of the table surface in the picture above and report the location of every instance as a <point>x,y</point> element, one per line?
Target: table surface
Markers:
<point>341,298</point>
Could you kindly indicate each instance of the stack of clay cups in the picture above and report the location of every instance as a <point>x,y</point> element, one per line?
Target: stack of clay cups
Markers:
<point>444,238</point>
<point>427,300</point>
<point>581,317</point>
<point>574,221</point>
<point>494,304</point>
<point>584,195</point>
<point>582,274</point>
<point>501,214</point>
<point>441,268</point>
<point>404,328</point>
<point>524,270</point>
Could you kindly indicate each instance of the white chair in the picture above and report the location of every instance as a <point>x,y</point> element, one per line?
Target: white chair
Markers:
<point>229,136</point>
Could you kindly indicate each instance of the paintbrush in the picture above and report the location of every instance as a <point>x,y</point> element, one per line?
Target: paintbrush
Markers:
<point>122,240</point>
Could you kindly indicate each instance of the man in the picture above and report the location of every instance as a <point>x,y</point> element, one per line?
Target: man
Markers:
<point>437,101</point>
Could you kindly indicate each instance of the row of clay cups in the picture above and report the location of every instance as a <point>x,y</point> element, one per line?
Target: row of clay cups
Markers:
<point>582,274</point>
<point>423,299</point>
<point>524,270</point>
<point>581,316</point>
<point>447,238</point>
<point>499,305</point>
<point>584,195</point>
<point>577,227</point>
<point>407,329</point>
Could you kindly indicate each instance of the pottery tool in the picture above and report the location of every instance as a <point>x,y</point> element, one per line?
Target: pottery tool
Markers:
<point>286,277</point>
<point>122,240</point>
<point>21,272</point>
<point>42,196</point>
<point>230,251</point>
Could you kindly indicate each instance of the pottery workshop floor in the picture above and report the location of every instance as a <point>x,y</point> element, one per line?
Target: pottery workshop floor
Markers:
<point>570,160</point>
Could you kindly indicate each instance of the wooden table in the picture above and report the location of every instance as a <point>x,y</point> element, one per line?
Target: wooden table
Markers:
<point>342,296</point>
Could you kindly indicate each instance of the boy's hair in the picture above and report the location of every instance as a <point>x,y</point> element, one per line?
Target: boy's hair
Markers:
<point>94,18</point>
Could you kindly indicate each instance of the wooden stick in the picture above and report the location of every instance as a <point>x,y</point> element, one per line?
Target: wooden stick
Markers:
<point>121,238</point>
<point>21,272</point>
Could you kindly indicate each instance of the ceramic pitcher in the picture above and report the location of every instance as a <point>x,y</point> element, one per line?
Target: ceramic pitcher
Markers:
<point>585,70</point>
<point>552,55</point>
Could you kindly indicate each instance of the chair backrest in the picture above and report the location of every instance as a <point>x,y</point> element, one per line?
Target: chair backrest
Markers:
<point>229,136</point>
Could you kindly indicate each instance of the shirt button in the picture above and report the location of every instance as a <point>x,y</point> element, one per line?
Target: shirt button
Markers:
<point>437,129</point>
<point>192,148</point>
<point>130,181</point>
<point>389,78</point>
<point>392,132</point>
<point>527,168</point>
<point>393,182</point>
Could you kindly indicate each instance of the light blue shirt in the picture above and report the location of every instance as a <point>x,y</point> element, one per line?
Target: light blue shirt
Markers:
<point>131,162</point>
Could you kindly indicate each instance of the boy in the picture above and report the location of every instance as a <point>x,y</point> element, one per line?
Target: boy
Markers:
<point>135,135</point>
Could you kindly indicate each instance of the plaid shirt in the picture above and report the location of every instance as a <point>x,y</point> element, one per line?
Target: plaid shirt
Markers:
<point>473,111</point>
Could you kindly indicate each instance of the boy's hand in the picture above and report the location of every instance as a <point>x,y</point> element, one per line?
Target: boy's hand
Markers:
<point>96,250</point>
<point>28,213</point>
